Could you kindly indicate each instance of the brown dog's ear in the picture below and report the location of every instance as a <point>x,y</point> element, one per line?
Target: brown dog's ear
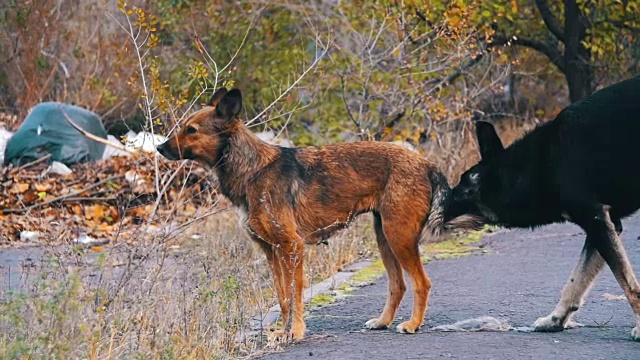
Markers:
<point>230,105</point>
<point>217,96</point>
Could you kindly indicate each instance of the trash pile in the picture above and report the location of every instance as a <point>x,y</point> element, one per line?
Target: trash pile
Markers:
<point>60,186</point>
<point>111,199</point>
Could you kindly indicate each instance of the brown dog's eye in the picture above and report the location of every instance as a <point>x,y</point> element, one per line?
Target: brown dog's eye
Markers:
<point>191,130</point>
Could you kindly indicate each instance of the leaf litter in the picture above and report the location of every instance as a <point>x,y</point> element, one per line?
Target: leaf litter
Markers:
<point>109,199</point>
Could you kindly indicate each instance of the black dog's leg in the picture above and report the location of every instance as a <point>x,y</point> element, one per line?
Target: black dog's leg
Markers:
<point>612,250</point>
<point>581,209</point>
<point>574,291</point>
<point>602,235</point>
<point>617,224</point>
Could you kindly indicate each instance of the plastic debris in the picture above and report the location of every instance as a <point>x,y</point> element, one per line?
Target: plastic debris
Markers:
<point>406,144</point>
<point>110,151</point>
<point>483,323</point>
<point>59,168</point>
<point>30,236</point>
<point>144,141</point>
<point>87,240</point>
<point>5,135</point>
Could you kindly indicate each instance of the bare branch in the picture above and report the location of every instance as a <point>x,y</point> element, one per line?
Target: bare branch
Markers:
<point>440,83</point>
<point>286,91</point>
<point>61,197</point>
<point>550,19</point>
<point>34,162</point>
<point>90,136</point>
<point>548,49</point>
<point>622,24</point>
<point>346,104</point>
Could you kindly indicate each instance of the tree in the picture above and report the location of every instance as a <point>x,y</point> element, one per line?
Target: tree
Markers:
<point>584,39</point>
<point>380,77</point>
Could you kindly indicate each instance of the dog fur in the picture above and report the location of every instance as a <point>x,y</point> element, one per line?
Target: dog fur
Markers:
<point>298,196</point>
<point>578,167</point>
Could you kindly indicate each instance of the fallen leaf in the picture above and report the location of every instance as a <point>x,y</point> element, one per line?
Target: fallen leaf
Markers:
<point>19,188</point>
<point>42,187</point>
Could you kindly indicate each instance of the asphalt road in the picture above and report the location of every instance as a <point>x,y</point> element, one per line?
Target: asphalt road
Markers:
<point>519,280</point>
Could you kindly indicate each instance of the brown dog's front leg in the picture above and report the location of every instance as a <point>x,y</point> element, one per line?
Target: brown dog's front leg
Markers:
<point>291,258</point>
<point>285,251</point>
<point>278,281</point>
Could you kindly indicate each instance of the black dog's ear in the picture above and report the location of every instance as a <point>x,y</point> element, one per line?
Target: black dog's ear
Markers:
<point>230,105</point>
<point>217,96</point>
<point>488,140</point>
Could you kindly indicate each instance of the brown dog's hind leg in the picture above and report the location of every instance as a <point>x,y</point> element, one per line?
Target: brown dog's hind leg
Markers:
<point>397,287</point>
<point>578,285</point>
<point>403,234</point>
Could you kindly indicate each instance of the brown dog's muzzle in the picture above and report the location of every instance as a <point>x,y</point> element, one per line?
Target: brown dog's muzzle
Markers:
<point>168,151</point>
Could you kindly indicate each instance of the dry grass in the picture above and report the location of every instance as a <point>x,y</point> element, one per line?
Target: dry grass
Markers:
<point>186,301</point>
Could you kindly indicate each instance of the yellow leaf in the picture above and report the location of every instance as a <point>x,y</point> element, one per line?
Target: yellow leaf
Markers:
<point>19,188</point>
<point>42,187</point>
<point>95,212</point>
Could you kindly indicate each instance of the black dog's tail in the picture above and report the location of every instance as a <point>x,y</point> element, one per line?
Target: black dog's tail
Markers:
<point>436,227</point>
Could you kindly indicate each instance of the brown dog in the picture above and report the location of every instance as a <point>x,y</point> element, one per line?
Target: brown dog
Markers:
<point>298,196</point>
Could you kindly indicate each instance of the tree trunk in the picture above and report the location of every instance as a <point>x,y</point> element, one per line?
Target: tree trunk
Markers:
<point>577,69</point>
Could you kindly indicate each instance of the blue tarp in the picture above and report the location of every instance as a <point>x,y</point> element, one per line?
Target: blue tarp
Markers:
<point>46,131</point>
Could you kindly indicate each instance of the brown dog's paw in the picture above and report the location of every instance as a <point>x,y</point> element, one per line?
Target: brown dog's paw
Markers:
<point>297,333</point>
<point>376,324</point>
<point>277,338</point>
<point>408,327</point>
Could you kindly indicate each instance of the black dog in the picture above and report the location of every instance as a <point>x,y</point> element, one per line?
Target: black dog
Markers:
<point>581,168</point>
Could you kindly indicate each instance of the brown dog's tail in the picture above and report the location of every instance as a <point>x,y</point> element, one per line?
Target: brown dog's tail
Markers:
<point>436,227</point>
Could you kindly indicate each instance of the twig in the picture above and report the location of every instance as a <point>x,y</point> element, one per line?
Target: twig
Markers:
<point>30,164</point>
<point>287,90</point>
<point>604,323</point>
<point>61,197</point>
<point>346,105</point>
<point>80,199</point>
<point>90,136</point>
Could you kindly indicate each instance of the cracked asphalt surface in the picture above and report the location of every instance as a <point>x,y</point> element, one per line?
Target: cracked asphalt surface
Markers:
<point>519,280</point>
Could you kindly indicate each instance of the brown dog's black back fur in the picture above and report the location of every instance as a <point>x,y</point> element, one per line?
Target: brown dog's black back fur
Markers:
<point>297,196</point>
<point>331,185</point>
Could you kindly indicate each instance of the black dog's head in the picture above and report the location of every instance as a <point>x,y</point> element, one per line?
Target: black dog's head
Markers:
<point>471,194</point>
